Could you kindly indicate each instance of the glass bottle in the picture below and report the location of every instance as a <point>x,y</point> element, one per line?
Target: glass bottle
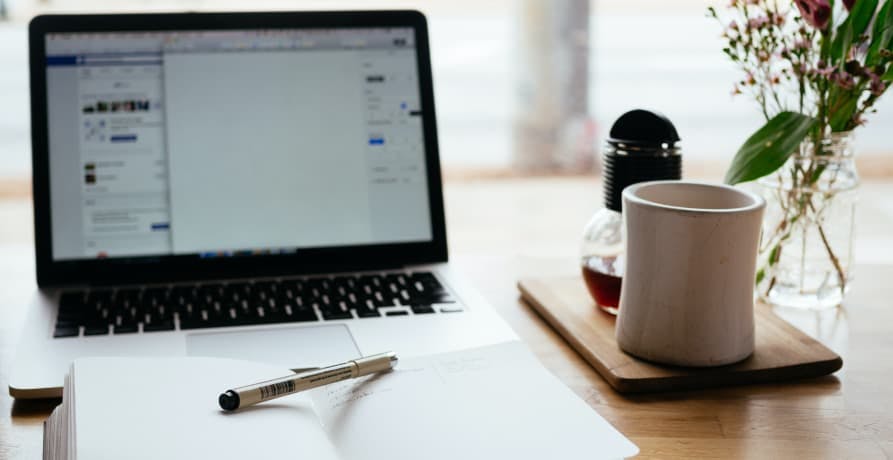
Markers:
<point>641,147</point>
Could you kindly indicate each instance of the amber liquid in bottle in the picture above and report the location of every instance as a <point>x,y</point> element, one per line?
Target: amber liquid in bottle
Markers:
<point>603,287</point>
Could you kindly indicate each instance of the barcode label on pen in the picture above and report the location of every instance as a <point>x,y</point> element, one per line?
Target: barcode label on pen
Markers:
<point>271,391</point>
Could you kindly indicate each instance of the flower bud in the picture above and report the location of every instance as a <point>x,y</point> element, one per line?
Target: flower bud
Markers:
<point>816,12</point>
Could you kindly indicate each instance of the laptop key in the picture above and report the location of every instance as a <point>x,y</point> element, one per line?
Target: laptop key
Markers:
<point>367,313</point>
<point>125,329</point>
<point>293,313</point>
<point>67,323</point>
<point>166,325</point>
<point>397,313</point>
<point>96,329</point>
<point>66,331</point>
<point>333,314</point>
<point>422,309</point>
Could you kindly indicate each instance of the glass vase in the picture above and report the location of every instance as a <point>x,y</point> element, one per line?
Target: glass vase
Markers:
<point>806,250</point>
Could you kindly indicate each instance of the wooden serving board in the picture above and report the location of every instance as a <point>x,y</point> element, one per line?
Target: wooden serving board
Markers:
<point>783,352</point>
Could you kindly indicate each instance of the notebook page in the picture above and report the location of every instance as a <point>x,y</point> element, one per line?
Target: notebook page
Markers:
<point>166,408</point>
<point>491,402</point>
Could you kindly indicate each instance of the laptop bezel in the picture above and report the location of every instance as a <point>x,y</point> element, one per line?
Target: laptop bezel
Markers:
<point>172,268</point>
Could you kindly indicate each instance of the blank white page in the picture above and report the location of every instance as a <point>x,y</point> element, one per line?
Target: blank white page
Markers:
<point>266,150</point>
<point>487,403</point>
<point>166,408</point>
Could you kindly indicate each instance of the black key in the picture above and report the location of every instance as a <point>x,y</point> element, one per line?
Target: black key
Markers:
<point>131,315</point>
<point>304,316</point>
<point>66,323</point>
<point>353,302</point>
<point>167,325</point>
<point>161,311</point>
<point>192,323</point>
<point>197,320</point>
<point>397,313</point>
<point>66,331</point>
<point>96,329</point>
<point>336,313</point>
<point>76,317</point>
<point>380,300</point>
<point>291,312</point>
<point>125,329</point>
<point>422,309</point>
<point>368,313</point>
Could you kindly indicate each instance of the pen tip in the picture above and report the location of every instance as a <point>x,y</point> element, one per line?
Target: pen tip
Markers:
<point>228,400</point>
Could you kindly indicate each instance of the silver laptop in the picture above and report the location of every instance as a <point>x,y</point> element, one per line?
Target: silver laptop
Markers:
<point>260,186</point>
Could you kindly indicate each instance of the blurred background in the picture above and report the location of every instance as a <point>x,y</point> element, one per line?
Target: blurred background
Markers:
<point>522,86</point>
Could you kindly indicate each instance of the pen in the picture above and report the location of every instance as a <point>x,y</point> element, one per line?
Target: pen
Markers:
<point>271,389</point>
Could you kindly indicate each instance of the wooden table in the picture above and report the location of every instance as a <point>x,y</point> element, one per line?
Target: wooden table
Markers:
<point>511,229</point>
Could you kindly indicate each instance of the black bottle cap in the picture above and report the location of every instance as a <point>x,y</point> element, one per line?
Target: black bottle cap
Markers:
<point>642,148</point>
<point>642,127</point>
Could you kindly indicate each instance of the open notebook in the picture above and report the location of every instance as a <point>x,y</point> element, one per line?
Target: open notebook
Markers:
<point>491,402</point>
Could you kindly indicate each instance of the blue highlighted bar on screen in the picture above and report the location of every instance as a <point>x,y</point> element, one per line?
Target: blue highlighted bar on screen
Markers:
<point>123,138</point>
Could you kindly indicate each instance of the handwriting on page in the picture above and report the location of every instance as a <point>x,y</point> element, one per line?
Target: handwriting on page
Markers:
<point>459,365</point>
<point>340,395</point>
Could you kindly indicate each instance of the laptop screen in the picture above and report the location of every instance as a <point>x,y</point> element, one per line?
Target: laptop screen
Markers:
<point>235,142</point>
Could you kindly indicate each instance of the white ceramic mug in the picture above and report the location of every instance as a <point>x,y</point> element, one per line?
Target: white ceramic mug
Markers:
<point>687,293</point>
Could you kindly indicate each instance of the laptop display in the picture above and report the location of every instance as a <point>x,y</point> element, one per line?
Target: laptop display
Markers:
<point>222,143</point>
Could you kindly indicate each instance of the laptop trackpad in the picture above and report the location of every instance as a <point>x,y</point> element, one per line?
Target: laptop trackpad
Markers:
<point>293,347</point>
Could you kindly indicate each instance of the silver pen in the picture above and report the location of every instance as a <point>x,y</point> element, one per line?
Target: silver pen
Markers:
<point>248,395</point>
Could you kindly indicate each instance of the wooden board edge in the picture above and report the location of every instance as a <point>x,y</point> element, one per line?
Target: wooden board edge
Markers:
<point>790,374</point>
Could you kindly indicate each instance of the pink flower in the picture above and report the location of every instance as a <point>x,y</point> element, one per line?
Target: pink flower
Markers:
<point>801,44</point>
<point>757,22</point>
<point>843,79</point>
<point>877,86</point>
<point>815,12</point>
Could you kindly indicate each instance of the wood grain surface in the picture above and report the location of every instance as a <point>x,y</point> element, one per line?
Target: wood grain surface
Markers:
<point>782,351</point>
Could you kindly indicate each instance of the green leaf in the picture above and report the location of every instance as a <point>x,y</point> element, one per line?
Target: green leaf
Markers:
<point>842,42</point>
<point>882,35</point>
<point>842,116</point>
<point>853,27</point>
<point>861,15</point>
<point>888,75</point>
<point>768,148</point>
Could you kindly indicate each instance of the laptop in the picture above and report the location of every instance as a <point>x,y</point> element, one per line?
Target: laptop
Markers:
<point>259,186</point>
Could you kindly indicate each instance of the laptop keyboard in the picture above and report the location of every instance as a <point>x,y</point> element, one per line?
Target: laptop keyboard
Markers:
<point>166,308</point>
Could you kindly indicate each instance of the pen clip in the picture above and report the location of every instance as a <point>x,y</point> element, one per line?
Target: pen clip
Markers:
<point>298,370</point>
